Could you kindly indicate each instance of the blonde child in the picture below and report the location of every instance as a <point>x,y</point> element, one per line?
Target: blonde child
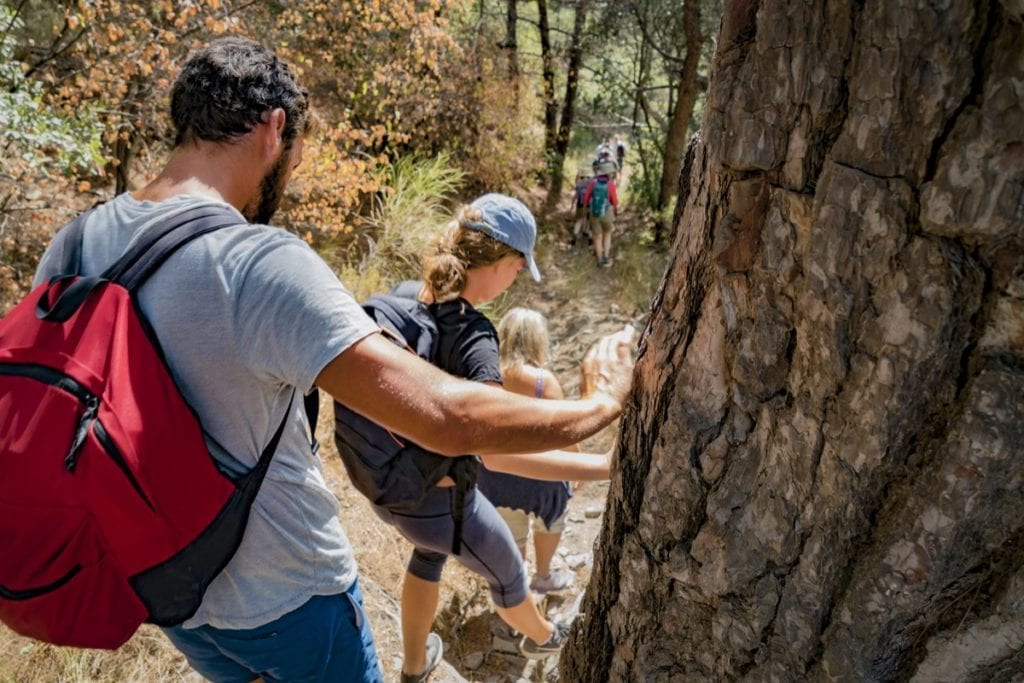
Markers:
<point>528,503</point>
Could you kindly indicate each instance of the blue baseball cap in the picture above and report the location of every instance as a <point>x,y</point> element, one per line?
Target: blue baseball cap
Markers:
<point>507,220</point>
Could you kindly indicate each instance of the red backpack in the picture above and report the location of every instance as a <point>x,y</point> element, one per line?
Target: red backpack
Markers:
<point>112,511</point>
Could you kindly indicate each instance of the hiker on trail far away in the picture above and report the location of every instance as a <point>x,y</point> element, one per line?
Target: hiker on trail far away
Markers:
<point>579,207</point>
<point>247,317</point>
<point>475,259</point>
<point>620,151</point>
<point>528,503</point>
<point>602,202</point>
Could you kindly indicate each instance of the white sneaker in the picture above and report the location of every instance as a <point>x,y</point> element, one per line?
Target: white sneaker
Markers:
<point>435,650</point>
<point>556,581</point>
<point>552,646</point>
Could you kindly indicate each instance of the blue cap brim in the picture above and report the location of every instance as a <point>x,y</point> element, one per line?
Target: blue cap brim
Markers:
<point>532,265</point>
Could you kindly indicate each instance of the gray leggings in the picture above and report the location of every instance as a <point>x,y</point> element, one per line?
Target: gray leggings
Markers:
<point>488,548</point>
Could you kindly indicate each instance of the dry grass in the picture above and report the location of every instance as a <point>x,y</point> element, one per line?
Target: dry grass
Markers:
<point>148,656</point>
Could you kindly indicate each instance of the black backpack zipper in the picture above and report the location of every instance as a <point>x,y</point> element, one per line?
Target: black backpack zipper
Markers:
<point>87,421</point>
<point>29,593</point>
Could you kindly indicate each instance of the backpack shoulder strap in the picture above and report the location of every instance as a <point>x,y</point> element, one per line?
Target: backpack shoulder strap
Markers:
<point>311,403</point>
<point>71,258</point>
<point>154,247</point>
<point>139,262</point>
<point>407,320</point>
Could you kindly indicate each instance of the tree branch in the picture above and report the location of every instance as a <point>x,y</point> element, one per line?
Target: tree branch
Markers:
<point>642,24</point>
<point>54,52</point>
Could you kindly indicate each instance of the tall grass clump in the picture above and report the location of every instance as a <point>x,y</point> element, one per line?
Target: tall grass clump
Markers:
<point>409,211</point>
<point>638,270</point>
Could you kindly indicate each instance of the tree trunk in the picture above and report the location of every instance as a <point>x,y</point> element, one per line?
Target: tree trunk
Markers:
<point>821,474</point>
<point>548,69</point>
<point>568,106</point>
<point>512,47</point>
<point>675,142</point>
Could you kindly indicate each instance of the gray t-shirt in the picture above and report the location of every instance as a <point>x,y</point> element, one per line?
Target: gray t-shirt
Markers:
<point>246,315</point>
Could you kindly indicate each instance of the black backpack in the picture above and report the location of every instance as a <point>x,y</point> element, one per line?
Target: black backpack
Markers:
<point>389,470</point>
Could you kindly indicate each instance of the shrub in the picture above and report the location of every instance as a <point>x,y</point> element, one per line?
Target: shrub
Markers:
<point>410,210</point>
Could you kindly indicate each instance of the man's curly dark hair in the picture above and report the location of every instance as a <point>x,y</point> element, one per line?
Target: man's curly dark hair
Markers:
<point>226,87</point>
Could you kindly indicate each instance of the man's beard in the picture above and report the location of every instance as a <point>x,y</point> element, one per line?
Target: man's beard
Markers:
<point>270,193</point>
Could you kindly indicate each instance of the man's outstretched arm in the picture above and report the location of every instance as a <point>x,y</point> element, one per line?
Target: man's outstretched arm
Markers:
<point>453,416</point>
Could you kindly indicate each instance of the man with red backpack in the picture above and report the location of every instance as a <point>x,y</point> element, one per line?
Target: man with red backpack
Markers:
<point>602,201</point>
<point>244,318</point>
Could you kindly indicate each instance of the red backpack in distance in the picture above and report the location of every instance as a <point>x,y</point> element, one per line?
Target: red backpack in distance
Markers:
<point>112,510</point>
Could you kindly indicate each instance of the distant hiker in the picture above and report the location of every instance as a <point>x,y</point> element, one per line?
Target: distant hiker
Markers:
<point>476,258</point>
<point>605,155</point>
<point>528,503</point>
<point>247,316</point>
<point>620,151</point>
<point>579,207</point>
<point>602,201</point>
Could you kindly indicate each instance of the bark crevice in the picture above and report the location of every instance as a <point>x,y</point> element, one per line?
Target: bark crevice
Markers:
<point>980,69</point>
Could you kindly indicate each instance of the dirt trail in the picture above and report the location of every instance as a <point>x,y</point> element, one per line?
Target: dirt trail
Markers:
<point>578,299</point>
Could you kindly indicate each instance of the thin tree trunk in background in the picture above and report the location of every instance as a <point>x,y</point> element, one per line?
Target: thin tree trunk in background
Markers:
<point>548,73</point>
<point>568,106</point>
<point>675,142</point>
<point>820,475</point>
<point>512,47</point>
<point>127,144</point>
<point>638,83</point>
<point>642,71</point>
<point>124,151</point>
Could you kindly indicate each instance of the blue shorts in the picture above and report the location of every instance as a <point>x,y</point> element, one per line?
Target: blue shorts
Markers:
<point>488,548</point>
<point>327,639</point>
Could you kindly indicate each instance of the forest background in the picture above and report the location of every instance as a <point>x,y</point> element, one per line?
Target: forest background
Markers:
<point>422,104</point>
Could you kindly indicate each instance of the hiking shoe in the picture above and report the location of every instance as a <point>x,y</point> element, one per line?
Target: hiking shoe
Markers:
<point>435,648</point>
<point>552,646</point>
<point>556,581</point>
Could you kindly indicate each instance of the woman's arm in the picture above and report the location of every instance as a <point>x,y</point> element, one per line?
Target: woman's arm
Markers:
<point>552,465</point>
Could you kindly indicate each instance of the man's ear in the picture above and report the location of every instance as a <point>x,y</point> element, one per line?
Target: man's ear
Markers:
<point>275,121</point>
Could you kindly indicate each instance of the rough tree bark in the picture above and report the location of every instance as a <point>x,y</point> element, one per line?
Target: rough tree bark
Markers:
<point>821,476</point>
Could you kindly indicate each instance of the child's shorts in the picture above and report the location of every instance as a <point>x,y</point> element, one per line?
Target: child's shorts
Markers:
<point>520,523</point>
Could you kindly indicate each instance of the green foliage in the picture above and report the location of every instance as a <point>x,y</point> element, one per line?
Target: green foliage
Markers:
<point>634,55</point>
<point>36,136</point>
<point>408,213</point>
<point>647,167</point>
